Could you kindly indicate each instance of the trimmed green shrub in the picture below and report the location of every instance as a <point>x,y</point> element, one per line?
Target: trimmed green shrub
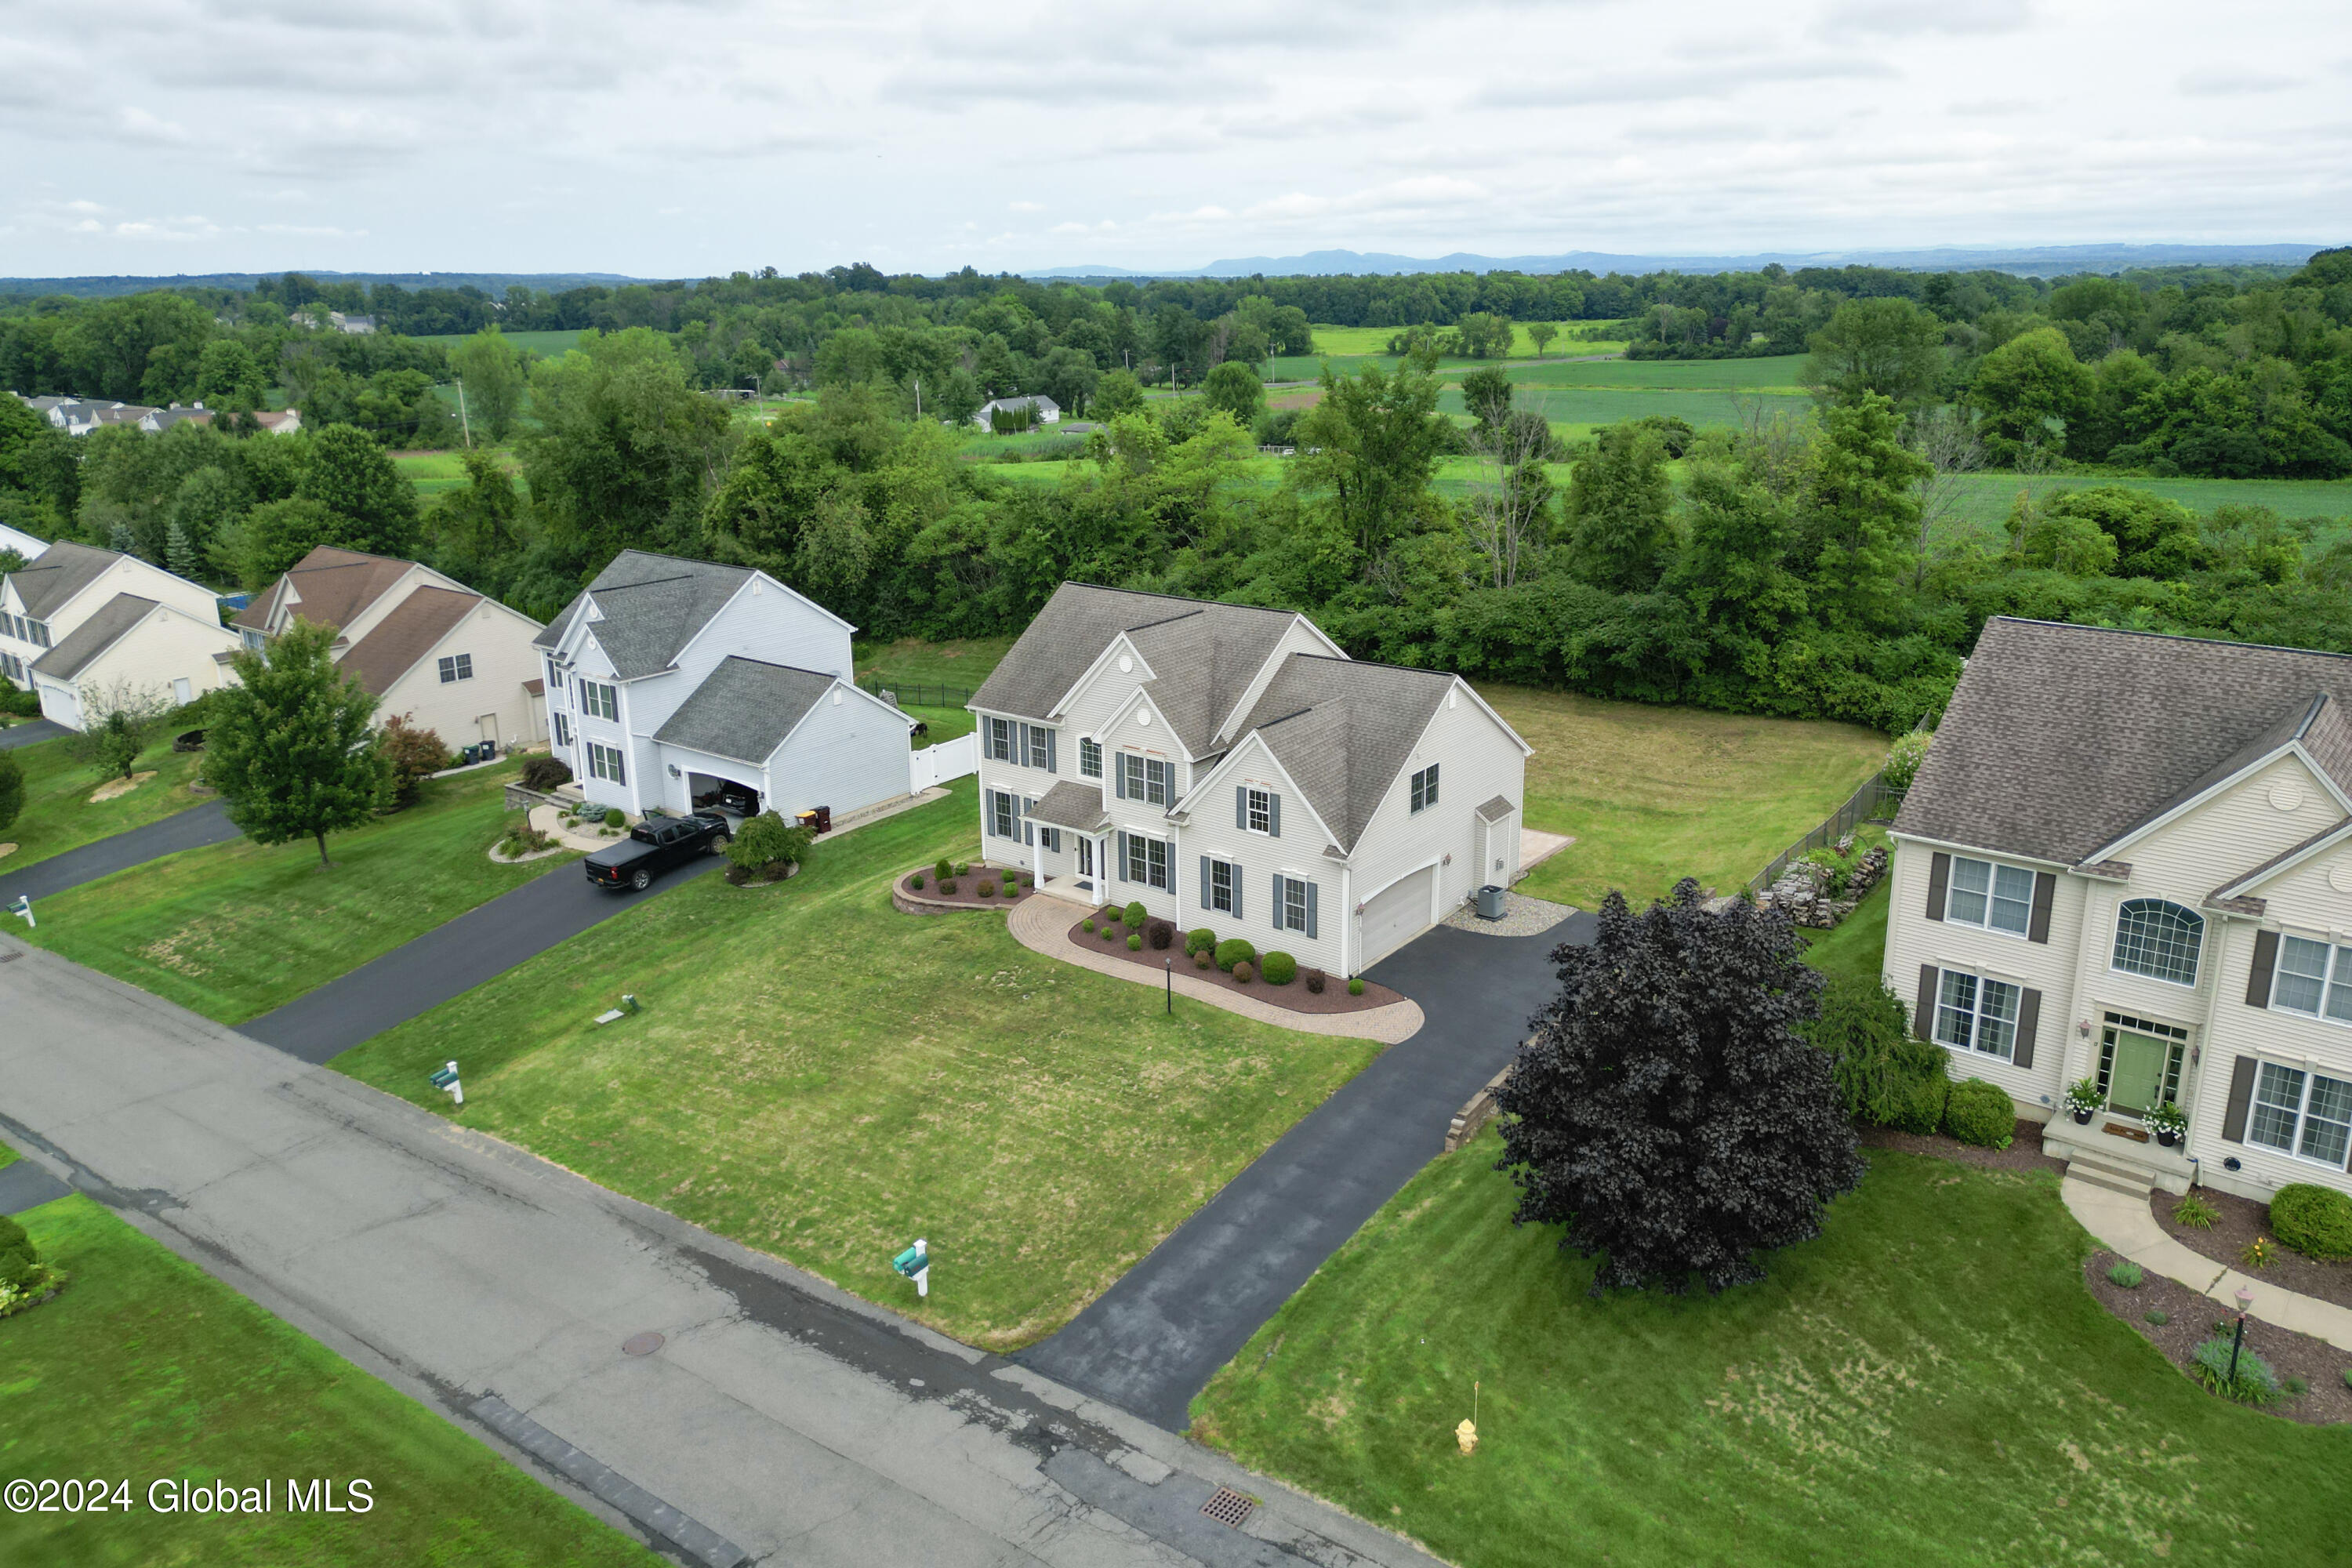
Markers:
<point>941,871</point>
<point>1921,1108</point>
<point>1201,940</point>
<point>22,1274</point>
<point>1232,951</point>
<point>2313,1220</point>
<point>1242,973</point>
<point>915,881</point>
<point>1355,986</point>
<point>1090,926</point>
<point>986,890</point>
<point>948,886</point>
<point>963,868</point>
<point>1137,914</point>
<point>1315,981</point>
<point>2126,1274</point>
<point>1980,1114</point>
<point>1027,880</point>
<point>615,816</point>
<point>1280,969</point>
<point>1135,942</point>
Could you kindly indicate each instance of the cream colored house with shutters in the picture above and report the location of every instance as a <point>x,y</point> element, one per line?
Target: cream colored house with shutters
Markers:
<point>1230,767</point>
<point>2129,857</point>
<point>78,622</point>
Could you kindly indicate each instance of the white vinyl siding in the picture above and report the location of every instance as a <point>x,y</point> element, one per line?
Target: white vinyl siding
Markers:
<point>1998,897</point>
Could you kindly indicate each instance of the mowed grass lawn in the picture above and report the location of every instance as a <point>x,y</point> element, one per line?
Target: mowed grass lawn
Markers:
<point>233,931</point>
<point>148,1369</point>
<point>1929,1383</point>
<point>1655,795</point>
<point>59,816</point>
<point>822,1077</point>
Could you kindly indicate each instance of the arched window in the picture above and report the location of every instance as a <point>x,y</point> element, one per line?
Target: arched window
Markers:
<point>2158,940</point>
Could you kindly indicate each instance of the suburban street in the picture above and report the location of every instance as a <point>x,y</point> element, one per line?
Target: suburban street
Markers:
<point>782,1420</point>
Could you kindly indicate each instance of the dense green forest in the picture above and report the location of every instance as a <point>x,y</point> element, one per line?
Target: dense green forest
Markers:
<point>1790,563</point>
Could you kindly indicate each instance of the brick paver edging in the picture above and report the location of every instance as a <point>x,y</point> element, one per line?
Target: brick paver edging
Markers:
<point>1042,924</point>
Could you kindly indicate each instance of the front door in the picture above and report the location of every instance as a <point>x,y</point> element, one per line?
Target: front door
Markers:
<point>2139,1067</point>
<point>490,724</point>
<point>1088,853</point>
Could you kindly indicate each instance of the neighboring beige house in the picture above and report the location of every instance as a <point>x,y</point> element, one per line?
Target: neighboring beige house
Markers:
<point>1230,767</point>
<point>2129,858</point>
<point>423,645</point>
<point>79,620</point>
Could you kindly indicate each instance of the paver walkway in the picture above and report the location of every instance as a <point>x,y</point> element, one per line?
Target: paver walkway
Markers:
<point>2124,1225</point>
<point>782,1420</point>
<point>1154,1339</point>
<point>191,829</point>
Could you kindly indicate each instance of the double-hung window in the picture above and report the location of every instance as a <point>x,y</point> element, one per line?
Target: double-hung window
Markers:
<point>604,762</point>
<point>599,700</point>
<point>1000,741</point>
<point>1144,778</point>
<point>562,728</point>
<point>1000,820</point>
<point>2313,977</point>
<point>554,677</point>
<point>1258,810</point>
<point>1974,1014</point>
<point>1041,745</point>
<point>1998,897</point>
<point>1221,886</point>
<point>2158,940</point>
<point>1147,860</point>
<point>2303,1113</point>
<point>1294,904</point>
<point>1425,793</point>
<point>457,667</point>
<point>253,637</point>
<point>1089,758</point>
<point>37,633</point>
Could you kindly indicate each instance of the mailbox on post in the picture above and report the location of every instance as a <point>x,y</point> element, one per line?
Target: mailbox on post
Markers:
<point>447,1078</point>
<point>23,908</point>
<point>915,1263</point>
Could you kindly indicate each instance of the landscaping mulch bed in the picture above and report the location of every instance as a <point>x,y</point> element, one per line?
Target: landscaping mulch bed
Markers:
<point>964,897</point>
<point>2024,1154</point>
<point>2190,1320</point>
<point>2241,1220</point>
<point>1294,996</point>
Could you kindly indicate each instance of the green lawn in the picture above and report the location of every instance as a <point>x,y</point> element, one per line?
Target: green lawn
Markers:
<point>946,724</point>
<point>59,813</point>
<point>1927,1382</point>
<point>1858,947</point>
<point>438,472</point>
<point>550,343</point>
<point>1986,499</point>
<point>822,1077</point>
<point>235,930</point>
<point>947,668</point>
<point>1654,795</point>
<point>148,1369</point>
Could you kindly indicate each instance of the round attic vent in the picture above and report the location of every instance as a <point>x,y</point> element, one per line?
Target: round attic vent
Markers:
<point>1143,717</point>
<point>2339,876</point>
<point>1126,665</point>
<point>2286,795</point>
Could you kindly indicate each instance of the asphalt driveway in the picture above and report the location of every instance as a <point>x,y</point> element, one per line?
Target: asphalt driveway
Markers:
<point>190,829</point>
<point>31,732</point>
<point>1153,1340</point>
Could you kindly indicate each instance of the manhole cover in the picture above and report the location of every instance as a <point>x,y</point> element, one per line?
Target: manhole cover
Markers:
<point>641,1345</point>
<point>1229,1507</point>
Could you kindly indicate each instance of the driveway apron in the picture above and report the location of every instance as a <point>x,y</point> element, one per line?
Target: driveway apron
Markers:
<point>31,733</point>
<point>191,829</point>
<point>1153,1340</point>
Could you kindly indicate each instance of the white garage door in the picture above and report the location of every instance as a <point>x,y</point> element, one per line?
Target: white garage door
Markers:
<point>1397,914</point>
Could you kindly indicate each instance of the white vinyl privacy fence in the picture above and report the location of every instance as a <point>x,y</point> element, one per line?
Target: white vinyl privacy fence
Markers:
<point>936,764</point>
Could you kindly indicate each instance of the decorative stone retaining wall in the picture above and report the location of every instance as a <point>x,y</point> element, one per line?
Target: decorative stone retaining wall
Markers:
<point>1472,1118</point>
<point>1803,888</point>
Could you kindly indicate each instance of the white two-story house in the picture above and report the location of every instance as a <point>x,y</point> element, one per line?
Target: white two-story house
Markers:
<point>2129,857</point>
<point>1230,767</point>
<point>428,648</point>
<point>79,621</point>
<point>675,683</point>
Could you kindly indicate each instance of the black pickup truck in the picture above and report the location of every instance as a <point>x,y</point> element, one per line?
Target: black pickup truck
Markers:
<point>655,845</point>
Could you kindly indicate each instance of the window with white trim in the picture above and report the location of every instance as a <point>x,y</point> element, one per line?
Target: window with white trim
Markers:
<point>457,667</point>
<point>11,666</point>
<point>1000,740</point>
<point>999,818</point>
<point>1221,886</point>
<point>2313,977</point>
<point>1147,860</point>
<point>554,676</point>
<point>562,728</point>
<point>598,701</point>
<point>1258,813</point>
<point>1974,1014</point>
<point>253,637</point>
<point>1294,904</point>
<point>2305,1114</point>
<point>1998,897</point>
<point>1424,787</point>
<point>604,762</point>
<point>1050,838</point>
<point>1038,745</point>
<point>36,632</point>
<point>2160,940</point>
<point>1147,778</point>
<point>1089,758</point>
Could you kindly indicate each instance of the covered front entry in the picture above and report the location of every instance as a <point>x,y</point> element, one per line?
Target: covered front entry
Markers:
<point>1396,914</point>
<point>2139,1063</point>
<point>709,790</point>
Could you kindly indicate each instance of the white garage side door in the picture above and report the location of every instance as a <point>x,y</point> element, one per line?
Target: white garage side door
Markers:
<point>1397,914</point>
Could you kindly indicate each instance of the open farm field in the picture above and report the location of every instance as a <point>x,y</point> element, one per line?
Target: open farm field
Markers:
<point>1986,499</point>
<point>1576,411</point>
<point>435,472</point>
<point>1779,375</point>
<point>548,343</point>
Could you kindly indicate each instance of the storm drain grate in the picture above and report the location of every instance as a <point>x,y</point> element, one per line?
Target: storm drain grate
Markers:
<point>1229,1507</point>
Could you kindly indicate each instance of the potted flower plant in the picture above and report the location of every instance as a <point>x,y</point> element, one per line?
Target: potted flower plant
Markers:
<point>2083,1099</point>
<point>2168,1122</point>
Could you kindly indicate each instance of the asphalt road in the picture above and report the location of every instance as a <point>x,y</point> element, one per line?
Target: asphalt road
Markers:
<point>781,1420</point>
<point>1153,1340</point>
<point>31,732</point>
<point>190,829</point>
<point>451,960</point>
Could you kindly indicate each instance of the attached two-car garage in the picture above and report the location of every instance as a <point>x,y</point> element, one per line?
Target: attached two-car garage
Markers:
<point>1396,914</point>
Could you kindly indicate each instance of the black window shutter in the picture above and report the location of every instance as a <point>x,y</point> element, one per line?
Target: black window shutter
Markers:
<point>1118,772</point>
<point>2258,983</point>
<point>1278,900</point>
<point>2241,1094</point>
<point>1238,879</point>
<point>1204,884</point>
<point>1311,911</point>
<point>1923,1017</point>
<point>1273,814</point>
<point>2028,1018</point>
<point>1241,806</point>
<point>1939,877</point>
<point>1122,855</point>
<point>2045,890</point>
<point>1431,796</point>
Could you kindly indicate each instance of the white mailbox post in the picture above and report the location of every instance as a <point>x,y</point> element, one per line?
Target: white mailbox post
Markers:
<point>447,1078</point>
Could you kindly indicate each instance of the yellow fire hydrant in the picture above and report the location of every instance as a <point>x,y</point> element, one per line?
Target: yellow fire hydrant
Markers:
<point>1467,1436</point>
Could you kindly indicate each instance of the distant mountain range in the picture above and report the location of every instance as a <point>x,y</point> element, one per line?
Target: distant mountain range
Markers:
<point>2031,261</point>
<point>491,283</point>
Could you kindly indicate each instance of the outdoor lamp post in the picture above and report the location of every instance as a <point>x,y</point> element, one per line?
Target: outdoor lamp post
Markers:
<point>1172,987</point>
<point>2245,1300</point>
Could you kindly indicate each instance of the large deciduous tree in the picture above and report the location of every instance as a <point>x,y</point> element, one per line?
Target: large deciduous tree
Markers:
<point>491,371</point>
<point>1889,346</point>
<point>1619,530</point>
<point>1669,1113</point>
<point>290,748</point>
<point>353,477</point>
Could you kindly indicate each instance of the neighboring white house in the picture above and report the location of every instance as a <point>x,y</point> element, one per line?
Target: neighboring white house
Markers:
<point>2129,858</point>
<point>675,683</point>
<point>1230,767</point>
<point>23,543</point>
<point>79,619</point>
<point>1045,409</point>
<point>426,646</point>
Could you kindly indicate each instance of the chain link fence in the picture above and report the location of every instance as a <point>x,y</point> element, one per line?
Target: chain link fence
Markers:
<point>1873,802</point>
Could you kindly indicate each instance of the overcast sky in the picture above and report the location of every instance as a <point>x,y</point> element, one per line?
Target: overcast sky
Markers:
<point>702,136</point>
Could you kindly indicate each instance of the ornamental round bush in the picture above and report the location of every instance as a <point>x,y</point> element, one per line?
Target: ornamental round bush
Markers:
<point>915,881</point>
<point>963,868</point>
<point>615,816</point>
<point>1315,981</point>
<point>1161,934</point>
<point>1137,914</point>
<point>1242,973</point>
<point>943,871</point>
<point>1204,961</point>
<point>1232,951</point>
<point>1135,942</point>
<point>1355,986</point>
<point>1980,1114</point>
<point>2315,1221</point>
<point>1280,969</point>
<point>986,890</point>
<point>1090,928</point>
<point>545,774</point>
<point>948,885</point>
<point>1919,1105</point>
<point>1200,940</point>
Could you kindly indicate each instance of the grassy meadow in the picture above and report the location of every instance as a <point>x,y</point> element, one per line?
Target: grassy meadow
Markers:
<point>550,343</point>
<point>59,813</point>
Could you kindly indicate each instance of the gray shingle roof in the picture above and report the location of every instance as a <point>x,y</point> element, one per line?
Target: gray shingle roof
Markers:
<point>652,606</point>
<point>1343,729</point>
<point>1072,804</point>
<point>63,570</point>
<point>1202,654</point>
<point>94,637</point>
<point>2062,738</point>
<point>744,709</point>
